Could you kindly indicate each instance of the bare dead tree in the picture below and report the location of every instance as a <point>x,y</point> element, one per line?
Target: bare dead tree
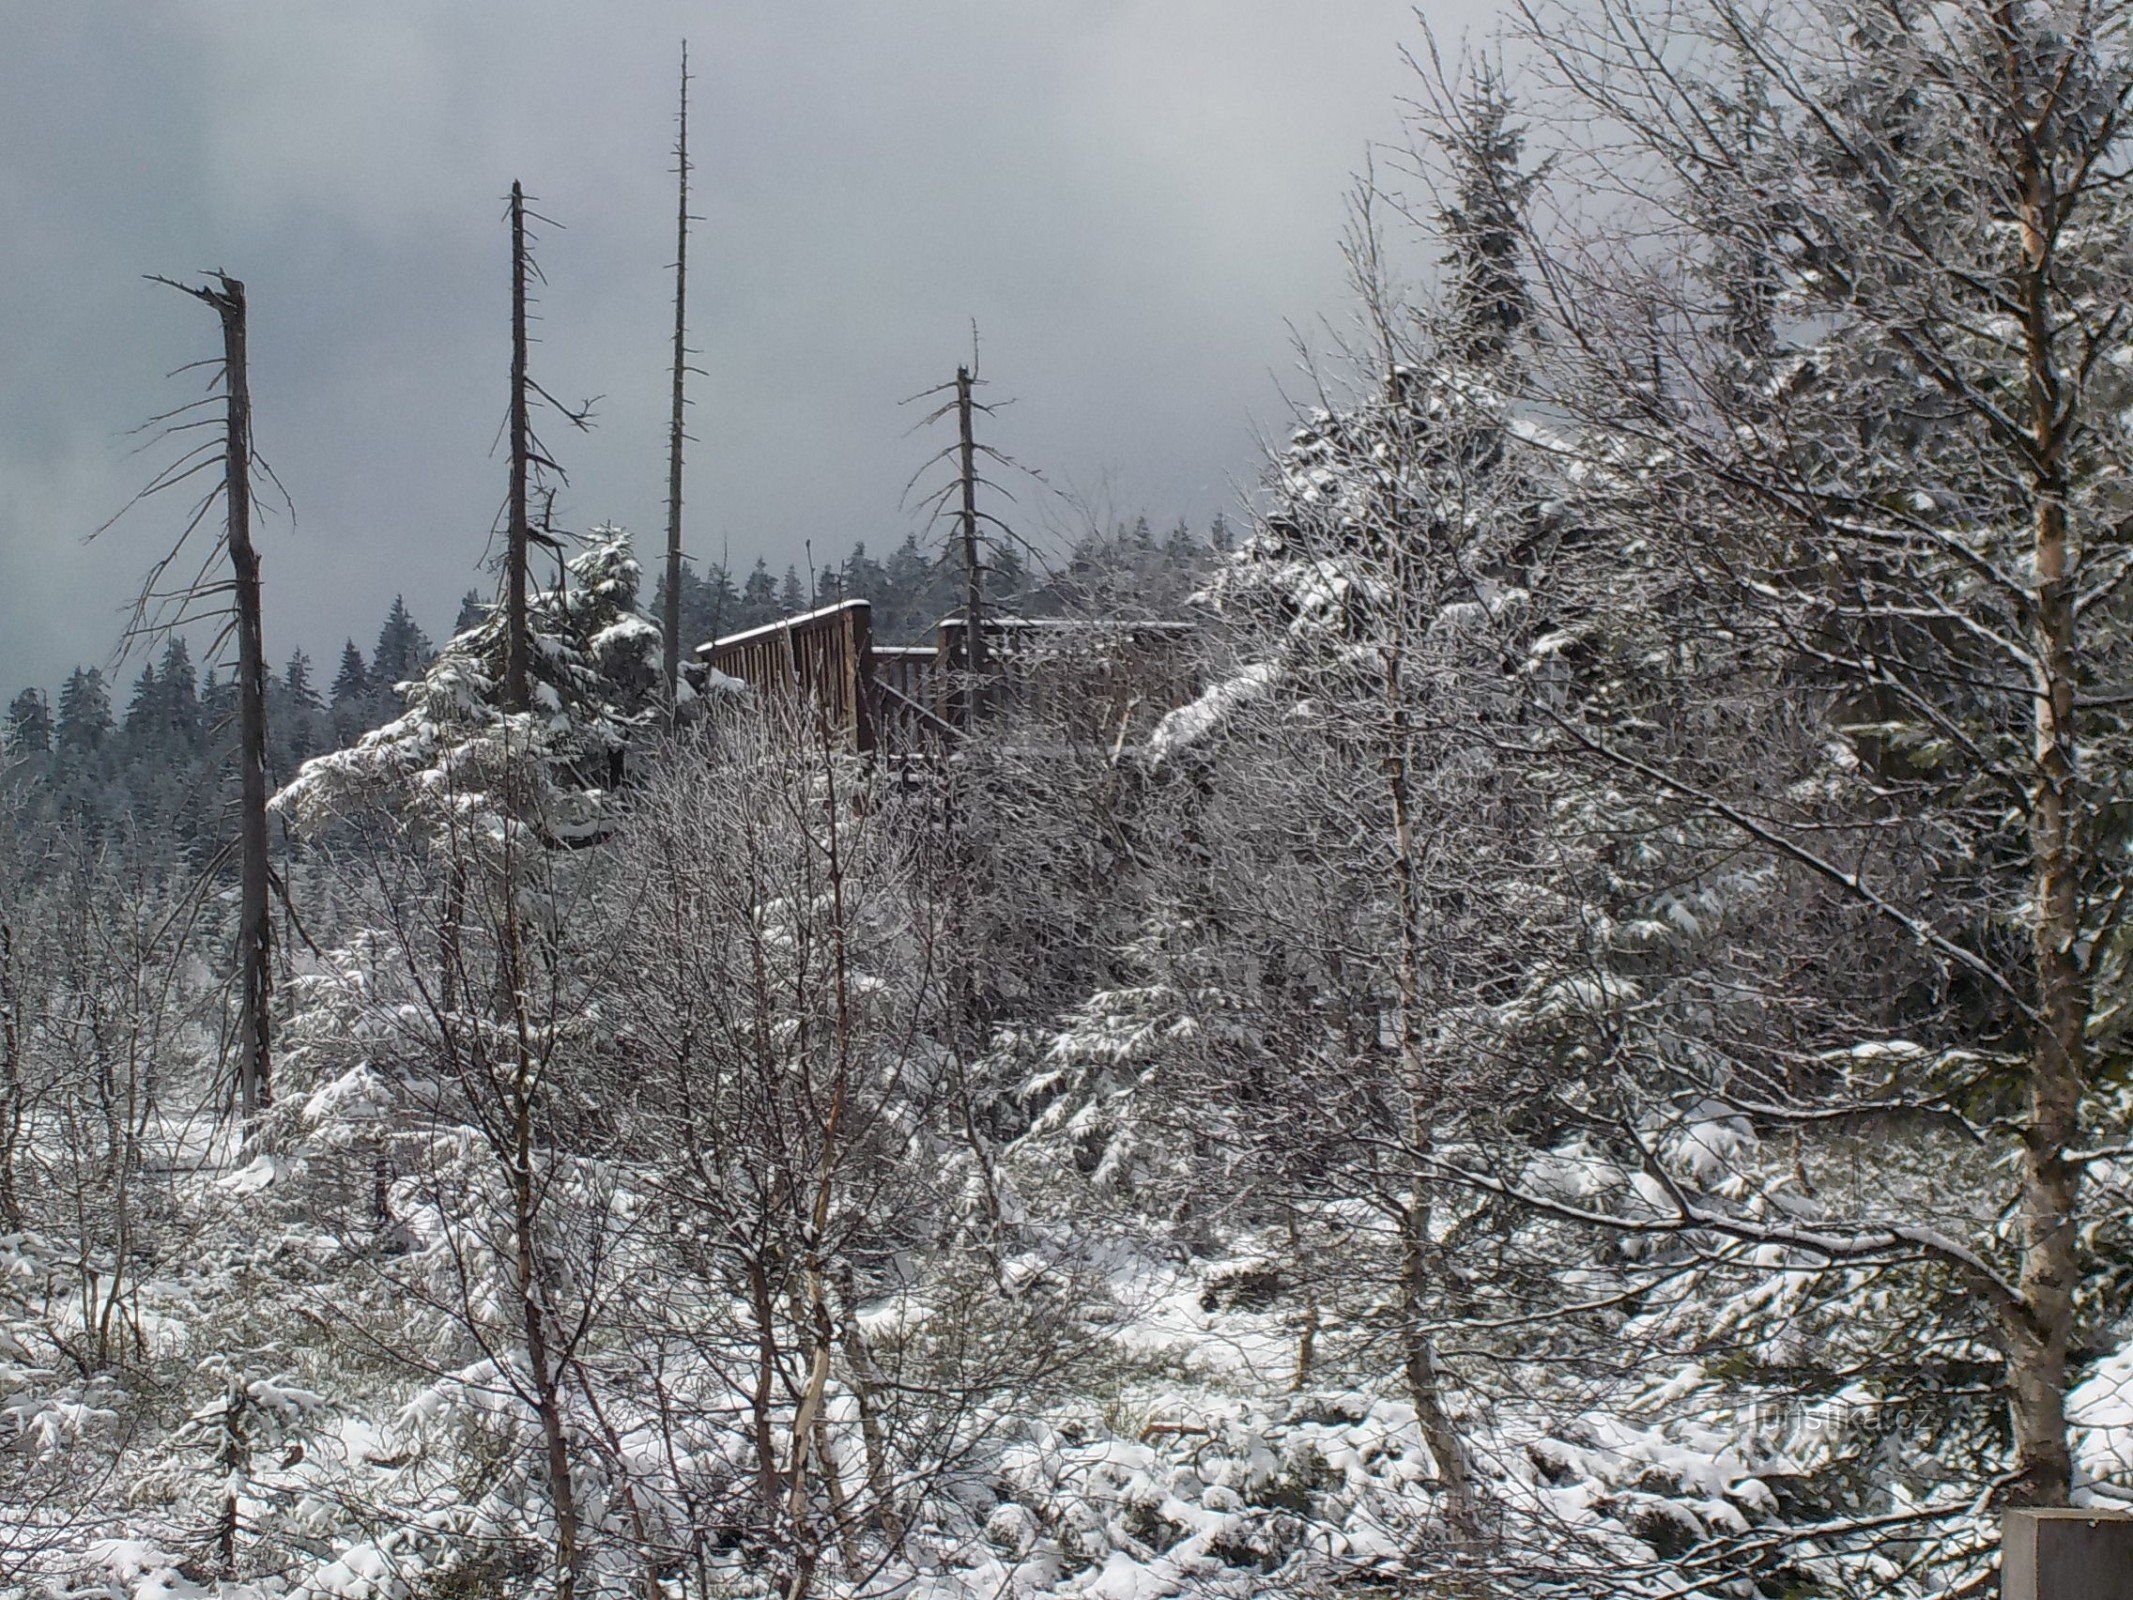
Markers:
<point>158,609</point>
<point>973,569</point>
<point>517,687</point>
<point>671,620</point>
<point>529,457</point>
<point>957,499</point>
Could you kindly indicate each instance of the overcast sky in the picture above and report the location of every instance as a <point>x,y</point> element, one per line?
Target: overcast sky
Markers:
<point>1135,199</point>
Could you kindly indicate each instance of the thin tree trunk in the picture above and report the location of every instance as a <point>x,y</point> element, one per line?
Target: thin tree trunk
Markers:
<point>670,620</point>
<point>543,1362</point>
<point>2039,1340</point>
<point>981,1154</point>
<point>818,1221</point>
<point>1418,1356</point>
<point>1307,1334</point>
<point>256,925</point>
<point>233,1461</point>
<point>840,1510</point>
<point>1418,1364</point>
<point>518,687</point>
<point>762,1401</point>
<point>13,1111</point>
<point>973,567</point>
<point>540,1360</point>
<point>806,1545</point>
<point>866,1391</point>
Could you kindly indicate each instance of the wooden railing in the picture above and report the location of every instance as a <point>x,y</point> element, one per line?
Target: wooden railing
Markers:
<point>1088,679</point>
<point>909,711</point>
<point>819,659</point>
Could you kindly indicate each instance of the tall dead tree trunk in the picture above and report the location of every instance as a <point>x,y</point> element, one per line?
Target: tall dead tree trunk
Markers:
<point>255,931</point>
<point>956,501</point>
<point>14,1109</point>
<point>255,1069</point>
<point>670,620</point>
<point>518,688</point>
<point>973,566</point>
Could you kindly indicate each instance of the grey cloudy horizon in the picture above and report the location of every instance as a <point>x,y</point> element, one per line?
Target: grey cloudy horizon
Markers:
<point>1136,201</point>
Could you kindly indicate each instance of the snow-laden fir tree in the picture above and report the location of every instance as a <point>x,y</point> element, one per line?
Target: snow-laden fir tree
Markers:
<point>1835,659</point>
<point>553,767</point>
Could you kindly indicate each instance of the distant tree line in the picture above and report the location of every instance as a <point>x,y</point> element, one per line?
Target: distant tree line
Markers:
<point>163,767</point>
<point>1126,566</point>
<point>163,764</point>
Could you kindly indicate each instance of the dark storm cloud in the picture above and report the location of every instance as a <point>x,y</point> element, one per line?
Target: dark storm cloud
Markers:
<point>1133,198</point>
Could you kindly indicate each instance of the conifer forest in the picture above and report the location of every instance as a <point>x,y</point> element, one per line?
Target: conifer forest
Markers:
<point>1536,1002</point>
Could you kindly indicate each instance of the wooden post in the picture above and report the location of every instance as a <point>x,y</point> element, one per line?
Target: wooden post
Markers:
<point>670,620</point>
<point>518,686</point>
<point>2062,1553</point>
<point>949,662</point>
<point>859,674</point>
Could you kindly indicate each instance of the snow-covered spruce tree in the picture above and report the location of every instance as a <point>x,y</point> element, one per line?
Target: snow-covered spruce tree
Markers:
<point>460,1053</point>
<point>1839,649</point>
<point>593,680</point>
<point>452,1068</point>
